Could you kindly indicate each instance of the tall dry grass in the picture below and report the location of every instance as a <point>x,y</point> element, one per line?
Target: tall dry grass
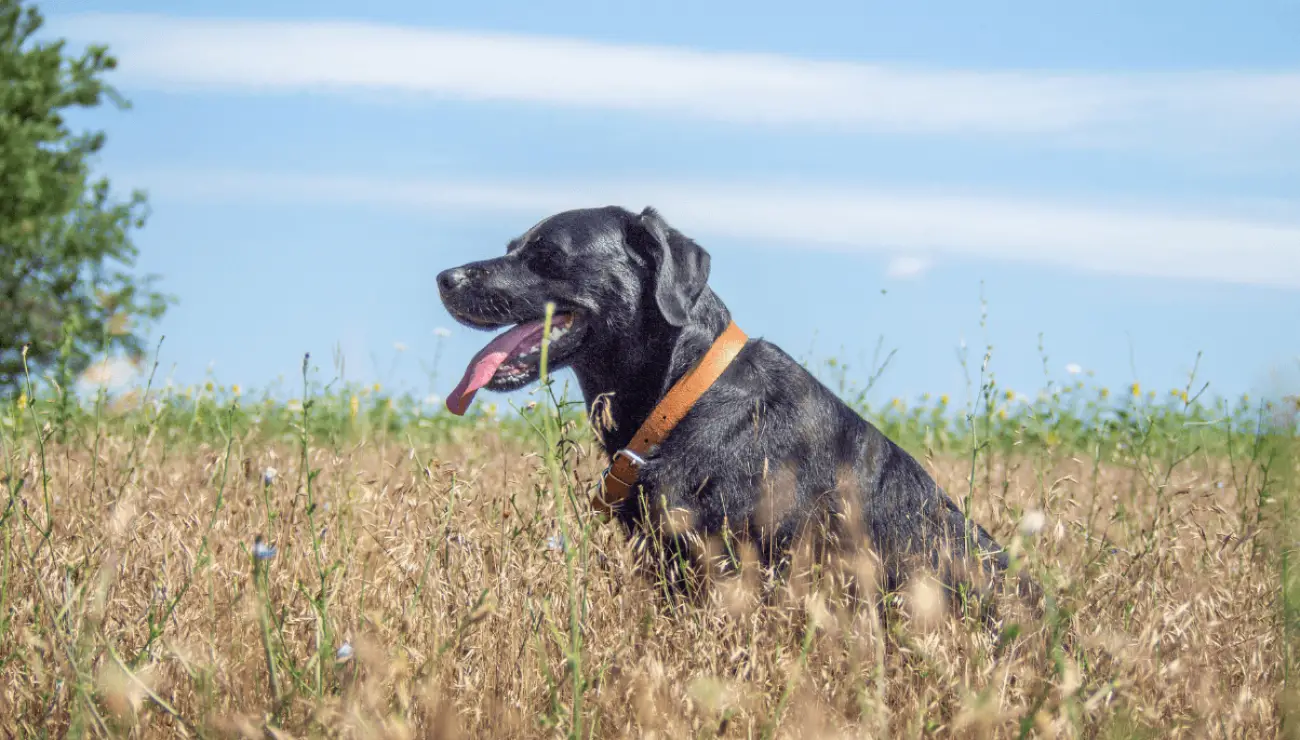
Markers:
<point>159,580</point>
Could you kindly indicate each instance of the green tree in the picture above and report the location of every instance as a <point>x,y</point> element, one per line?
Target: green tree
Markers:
<point>67,290</point>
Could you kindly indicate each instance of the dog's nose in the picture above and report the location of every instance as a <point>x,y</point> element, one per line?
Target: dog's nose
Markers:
<point>449,280</point>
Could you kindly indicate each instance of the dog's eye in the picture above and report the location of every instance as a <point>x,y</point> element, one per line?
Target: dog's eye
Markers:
<point>541,262</point>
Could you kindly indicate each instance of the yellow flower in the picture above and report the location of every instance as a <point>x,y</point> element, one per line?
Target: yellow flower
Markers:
<point>1151,395</point>
<point>1002,413</point>
<point>22,400</point>
<point>1245,398</point>
<point>235,389</point>
<point>1136,390</point>
<point>1182,396</point>
<point>208,386</point>
<point>355,405</point>
<point>1105,393</point>
<point>376,387</point>
<point>897,403</point>
<point>943,400</point>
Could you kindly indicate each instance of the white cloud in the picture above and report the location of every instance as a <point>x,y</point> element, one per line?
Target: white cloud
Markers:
<point>1124,241</point>
<point>907,266</point>
<point>176,53</point>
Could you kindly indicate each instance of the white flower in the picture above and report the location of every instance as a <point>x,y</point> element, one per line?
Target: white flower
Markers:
<point>433,399</point>
<point>344,653</point>
<point>442,332</point>
<point>1073,368</point>
<point>1033,523</point>
<point>268,476</point>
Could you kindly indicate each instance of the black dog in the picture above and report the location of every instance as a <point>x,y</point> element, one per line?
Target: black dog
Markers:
<point>767,453</point>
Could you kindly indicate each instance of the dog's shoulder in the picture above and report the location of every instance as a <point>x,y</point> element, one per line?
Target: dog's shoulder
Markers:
<point>763,404</point>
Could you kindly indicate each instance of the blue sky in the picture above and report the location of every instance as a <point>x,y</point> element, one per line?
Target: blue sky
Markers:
<point>1123,178</point>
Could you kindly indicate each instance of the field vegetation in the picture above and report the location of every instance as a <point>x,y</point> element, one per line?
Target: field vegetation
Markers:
<point>348,563</point>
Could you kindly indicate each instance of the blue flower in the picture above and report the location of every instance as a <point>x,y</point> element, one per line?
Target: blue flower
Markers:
<point>261,550</point>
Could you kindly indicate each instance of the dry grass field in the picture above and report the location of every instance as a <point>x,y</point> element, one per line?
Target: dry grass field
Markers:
<point>199,564</point>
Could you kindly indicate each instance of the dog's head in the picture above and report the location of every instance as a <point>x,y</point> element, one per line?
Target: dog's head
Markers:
<point>609,272</point>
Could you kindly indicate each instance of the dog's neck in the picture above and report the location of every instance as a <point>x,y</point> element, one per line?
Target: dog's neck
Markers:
<point>621,385</point>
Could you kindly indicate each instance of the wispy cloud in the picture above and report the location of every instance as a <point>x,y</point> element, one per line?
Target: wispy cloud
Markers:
<point>181,54</point>
<point>1157,242</point>
<point>907,266</point>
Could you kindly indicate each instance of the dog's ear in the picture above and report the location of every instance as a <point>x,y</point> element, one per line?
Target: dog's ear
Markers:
<point>681,267</point>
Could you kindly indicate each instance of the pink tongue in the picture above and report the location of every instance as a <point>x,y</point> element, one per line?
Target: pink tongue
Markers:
<point>485,364</point>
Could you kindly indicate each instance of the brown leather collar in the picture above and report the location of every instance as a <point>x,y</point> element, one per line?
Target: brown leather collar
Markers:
<point>620,477</point>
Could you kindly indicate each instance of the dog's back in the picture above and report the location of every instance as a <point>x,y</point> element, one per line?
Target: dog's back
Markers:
<point>770,452</point>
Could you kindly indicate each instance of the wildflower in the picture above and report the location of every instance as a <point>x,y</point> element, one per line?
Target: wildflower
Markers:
<point>1104,392</point>
<point>1002,413</point>
<point>1136,390</point>
<point>235,389</point>
<point>22,401</point>
<point>1073,368</point>
<point>345,652</point>
<point>555,542</point>
<point>1010,395</point>
<point>1032,523</point>
<point>261,550</point>
<point>376,387</point>
<point>442,332</point>
<point>268,476</point>
<point>943,400</point>
<point>897,403</point>
<point>208,386</point>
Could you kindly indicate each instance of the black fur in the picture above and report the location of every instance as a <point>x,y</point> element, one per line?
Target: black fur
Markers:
<point>768,452</point>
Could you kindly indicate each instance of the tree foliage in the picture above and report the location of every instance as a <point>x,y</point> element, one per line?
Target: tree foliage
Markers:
<point>67,289</point>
